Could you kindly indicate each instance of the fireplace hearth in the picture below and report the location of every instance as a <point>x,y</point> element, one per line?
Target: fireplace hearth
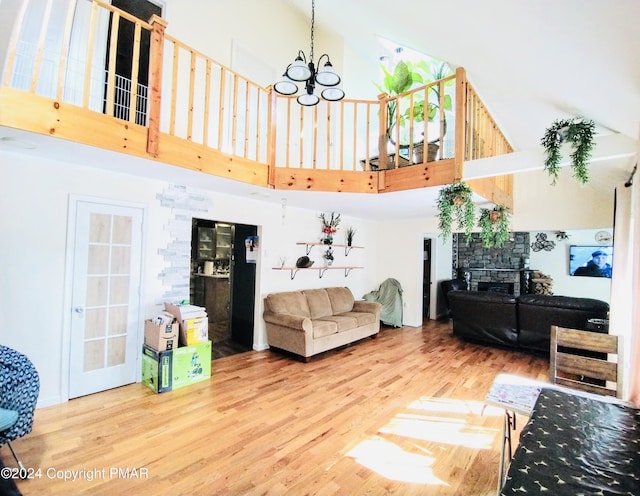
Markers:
<point>497,287</point>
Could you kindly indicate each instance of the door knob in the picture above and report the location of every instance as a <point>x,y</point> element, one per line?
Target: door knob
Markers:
<point>78,310</point>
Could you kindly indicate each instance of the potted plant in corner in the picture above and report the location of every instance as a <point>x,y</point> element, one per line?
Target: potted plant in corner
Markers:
<point>494,226</point>
<point>580,133</point>
<point>455,202</point>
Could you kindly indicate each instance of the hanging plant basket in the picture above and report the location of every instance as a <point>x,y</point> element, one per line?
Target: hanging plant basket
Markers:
<point>580,133</point>
<point>455,202</point>
<point>494,226</point>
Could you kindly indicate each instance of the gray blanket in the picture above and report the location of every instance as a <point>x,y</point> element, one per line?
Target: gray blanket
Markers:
<point>389,295</point>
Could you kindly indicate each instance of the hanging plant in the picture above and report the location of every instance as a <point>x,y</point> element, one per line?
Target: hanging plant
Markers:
<point>455,202</point>
<point>579,132</point>
<point>494,226</point>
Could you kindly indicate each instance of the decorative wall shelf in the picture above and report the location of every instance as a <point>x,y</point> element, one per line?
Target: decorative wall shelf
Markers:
<point>309,246</point>
<point>321,270</point>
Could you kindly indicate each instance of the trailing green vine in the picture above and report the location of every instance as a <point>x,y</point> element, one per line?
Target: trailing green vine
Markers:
<point>580,133</point>
<point>494,226</point>
<point>455,202</point>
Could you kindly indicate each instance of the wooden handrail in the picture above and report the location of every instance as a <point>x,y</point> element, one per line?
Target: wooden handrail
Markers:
<point>194,101</point>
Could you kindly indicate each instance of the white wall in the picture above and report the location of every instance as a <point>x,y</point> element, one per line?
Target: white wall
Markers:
<point>555,263</point>
<point>567,205</point>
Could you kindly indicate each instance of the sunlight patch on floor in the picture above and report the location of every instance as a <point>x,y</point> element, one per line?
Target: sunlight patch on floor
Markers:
<point>392,462</point>
<point>431,424</point>
<point>446,405</point>
<point>440,430</point>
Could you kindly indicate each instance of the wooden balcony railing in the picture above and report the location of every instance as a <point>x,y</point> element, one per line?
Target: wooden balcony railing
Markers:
<point>99,76</point>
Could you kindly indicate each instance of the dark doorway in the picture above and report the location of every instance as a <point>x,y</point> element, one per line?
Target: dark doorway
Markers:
<point>426,279</point>
<point>224,283</point>
<point>243,286</point>
<point>143,10</point>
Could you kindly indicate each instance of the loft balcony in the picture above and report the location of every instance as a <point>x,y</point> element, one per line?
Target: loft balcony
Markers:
<point>98,76</point>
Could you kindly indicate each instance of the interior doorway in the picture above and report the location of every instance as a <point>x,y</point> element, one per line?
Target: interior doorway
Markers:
<point>223,281</point>
<point>426,279</point>
<point>124,60</point>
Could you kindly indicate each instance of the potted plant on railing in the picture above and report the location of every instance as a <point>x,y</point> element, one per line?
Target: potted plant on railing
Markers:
<point>580,133</point>
<point>494,226</point>
<point>405,76</point>
<point>430,110</point>
<point>455,202</point>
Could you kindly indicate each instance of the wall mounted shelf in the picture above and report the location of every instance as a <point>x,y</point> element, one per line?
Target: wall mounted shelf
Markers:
<point>309,246</point>
<point>321,270</point>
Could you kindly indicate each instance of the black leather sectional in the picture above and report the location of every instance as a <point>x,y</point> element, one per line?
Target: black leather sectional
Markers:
<point>522,322</point>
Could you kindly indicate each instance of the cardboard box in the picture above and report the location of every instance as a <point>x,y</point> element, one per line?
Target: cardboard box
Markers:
<point>157,369</point>
<point>161,337</point>
<point>191,364</point>
<point>194,323</point>
<point>196,331</point>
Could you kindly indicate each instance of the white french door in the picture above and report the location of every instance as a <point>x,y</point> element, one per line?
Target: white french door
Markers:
<point>105,300</point>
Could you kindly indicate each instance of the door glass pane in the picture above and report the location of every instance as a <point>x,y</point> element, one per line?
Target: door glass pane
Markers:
<point>120,259</point>
<point>116,354</point>
<point>93,355</point>
<point>119,290</point>
<point>97,291</point>
<point>95,323</point>
<point>121,230</point>
<point>98,262</point>
<point>118,320</point>
<point>99,228</point>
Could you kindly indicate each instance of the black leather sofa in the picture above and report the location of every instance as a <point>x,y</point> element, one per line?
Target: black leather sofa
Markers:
<point>451,285</point>
<point>522,322</point>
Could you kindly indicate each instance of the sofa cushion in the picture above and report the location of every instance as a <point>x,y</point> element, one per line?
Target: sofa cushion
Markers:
<point>319,303</point>
<point>362,318</point>
<point>485,316</point>
<point>343,322</point>
<point>537,313</point>
<point>341,299</point>
<point>292,302</point>
<point>323,328</point>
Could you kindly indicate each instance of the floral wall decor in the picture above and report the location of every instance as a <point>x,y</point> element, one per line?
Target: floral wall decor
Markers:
<point>329,226</point>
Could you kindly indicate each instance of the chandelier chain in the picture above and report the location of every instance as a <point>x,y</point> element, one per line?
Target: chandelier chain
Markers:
<point>313,15</point>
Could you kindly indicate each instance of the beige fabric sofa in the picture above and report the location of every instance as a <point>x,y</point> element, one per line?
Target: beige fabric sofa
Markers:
<point>312,321</point>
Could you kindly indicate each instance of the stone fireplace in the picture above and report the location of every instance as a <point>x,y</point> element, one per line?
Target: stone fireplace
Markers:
<point>504,270</point>
<point>497,287</point>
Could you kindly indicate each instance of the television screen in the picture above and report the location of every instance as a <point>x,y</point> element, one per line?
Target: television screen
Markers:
<point>590,261</point>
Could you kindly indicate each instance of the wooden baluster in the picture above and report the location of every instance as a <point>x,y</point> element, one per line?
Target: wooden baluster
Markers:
<point>158,25</point>
<point>461,113</point>
<point>383,158</point>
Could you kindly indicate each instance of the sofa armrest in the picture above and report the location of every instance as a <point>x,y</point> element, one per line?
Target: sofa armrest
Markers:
<point>367,307</point>
<point>288,320</point>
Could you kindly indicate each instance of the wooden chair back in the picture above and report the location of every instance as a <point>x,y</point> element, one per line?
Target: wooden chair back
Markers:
<point>585,360</point>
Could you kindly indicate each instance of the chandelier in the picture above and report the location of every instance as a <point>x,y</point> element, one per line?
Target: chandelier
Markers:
<point>302,71</point>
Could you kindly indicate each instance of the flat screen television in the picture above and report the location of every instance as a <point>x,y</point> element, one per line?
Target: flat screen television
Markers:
<point>590,261</point>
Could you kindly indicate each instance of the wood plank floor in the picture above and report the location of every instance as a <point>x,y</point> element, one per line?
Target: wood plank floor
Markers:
<point>398,415</point>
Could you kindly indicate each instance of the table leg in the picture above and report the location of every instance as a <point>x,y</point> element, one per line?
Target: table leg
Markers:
<point>508,425</point>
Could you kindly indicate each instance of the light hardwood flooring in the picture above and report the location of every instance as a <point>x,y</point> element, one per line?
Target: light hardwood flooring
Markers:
<point>399,415</point>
